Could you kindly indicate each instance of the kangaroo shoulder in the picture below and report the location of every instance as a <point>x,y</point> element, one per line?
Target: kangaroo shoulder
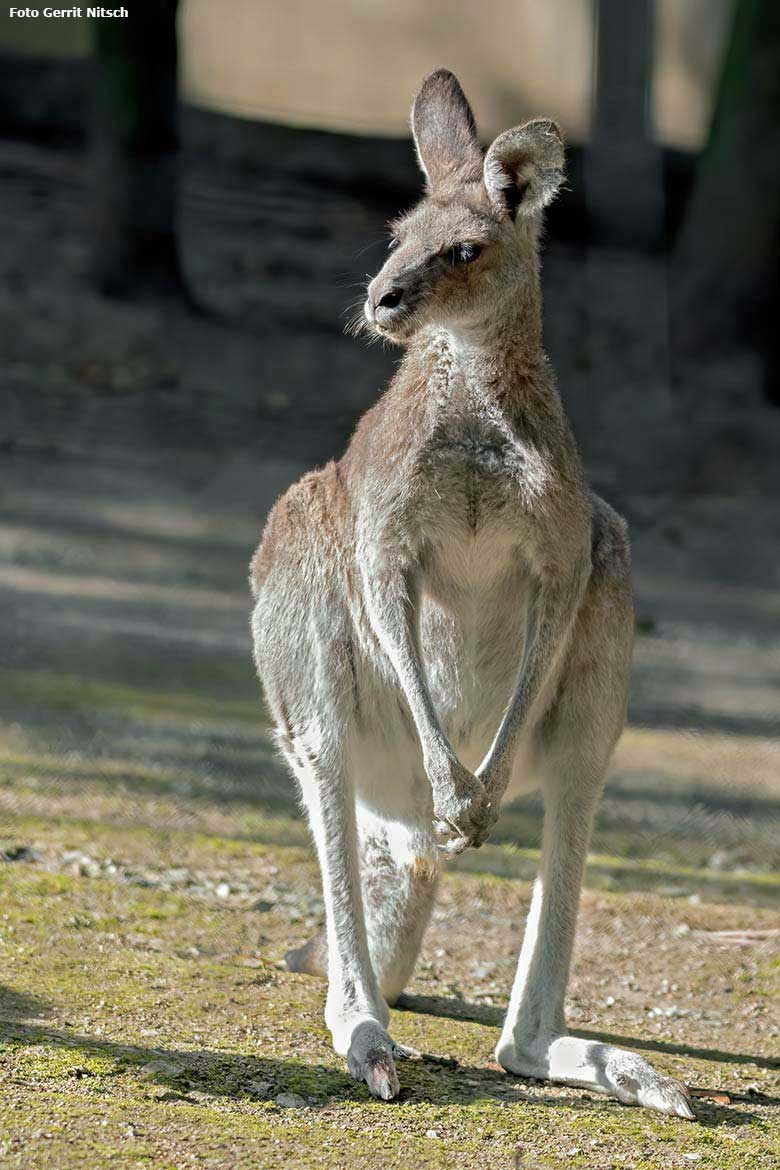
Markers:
<point>309,513</point>
<point>387,433</point>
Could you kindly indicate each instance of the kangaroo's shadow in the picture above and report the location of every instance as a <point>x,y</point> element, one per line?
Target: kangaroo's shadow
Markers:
<point>183,1072</point>
<point>708,1114</point>
<point>459,1009</point>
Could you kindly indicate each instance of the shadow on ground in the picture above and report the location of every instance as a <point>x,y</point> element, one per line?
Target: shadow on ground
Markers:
<point>432,1079</point>
<point>457,1009</point>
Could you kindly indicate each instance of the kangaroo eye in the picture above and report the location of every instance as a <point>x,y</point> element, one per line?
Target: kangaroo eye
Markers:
<point>392,243</point>
<point>465,253</point>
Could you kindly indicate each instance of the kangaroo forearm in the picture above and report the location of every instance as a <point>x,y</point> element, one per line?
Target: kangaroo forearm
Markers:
<point>459,803</point>
<point>391,607</point>
<point>549,627</point>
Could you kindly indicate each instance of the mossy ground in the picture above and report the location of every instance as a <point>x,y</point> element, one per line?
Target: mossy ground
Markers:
<point>156,869</point>
<point>122,947</point>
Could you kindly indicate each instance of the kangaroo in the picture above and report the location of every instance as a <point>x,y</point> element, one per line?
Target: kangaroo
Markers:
<point>447,608</point>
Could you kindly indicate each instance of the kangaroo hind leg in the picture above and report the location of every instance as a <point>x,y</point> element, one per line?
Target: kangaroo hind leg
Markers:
<point>399,874</point>
<point>575,742</point>
<point>355,1011</point>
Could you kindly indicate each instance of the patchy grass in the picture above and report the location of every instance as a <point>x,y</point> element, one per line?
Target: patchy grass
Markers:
<point>145,1019</point>
<point>156,869</point>
<point>75,694</point>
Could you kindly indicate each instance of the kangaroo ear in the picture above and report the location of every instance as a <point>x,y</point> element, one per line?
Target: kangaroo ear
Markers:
<point>524,168</point>
<point>444,131</point>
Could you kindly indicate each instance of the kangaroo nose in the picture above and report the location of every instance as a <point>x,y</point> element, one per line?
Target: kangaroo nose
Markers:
<point>391,299</point>
<point>382,301</point>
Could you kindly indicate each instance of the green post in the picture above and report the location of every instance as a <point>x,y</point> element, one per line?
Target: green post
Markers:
<point>135,153</point>
<point>726,274</point>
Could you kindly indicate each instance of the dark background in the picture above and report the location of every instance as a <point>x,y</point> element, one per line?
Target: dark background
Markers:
<point>173,287</point>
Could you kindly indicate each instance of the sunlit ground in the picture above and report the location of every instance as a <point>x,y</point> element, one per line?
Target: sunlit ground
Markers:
<point>156,868</point>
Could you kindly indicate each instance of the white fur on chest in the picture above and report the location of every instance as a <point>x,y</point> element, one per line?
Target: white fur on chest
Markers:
<point>465,565</point>
<point>475,461</point>
<point>474,614</point>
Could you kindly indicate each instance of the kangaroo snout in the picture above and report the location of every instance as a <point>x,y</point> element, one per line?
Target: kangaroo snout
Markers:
<point>383,302</point>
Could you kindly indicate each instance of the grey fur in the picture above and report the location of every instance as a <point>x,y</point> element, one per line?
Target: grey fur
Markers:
<point>449,607</point>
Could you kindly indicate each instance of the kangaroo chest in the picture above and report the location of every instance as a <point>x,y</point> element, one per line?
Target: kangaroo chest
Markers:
<point>479,473</point>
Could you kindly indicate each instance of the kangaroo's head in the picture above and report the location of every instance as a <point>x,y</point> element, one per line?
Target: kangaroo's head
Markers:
<point>471,241</point>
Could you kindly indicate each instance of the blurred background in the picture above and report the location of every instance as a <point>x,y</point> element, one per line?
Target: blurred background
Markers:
<point>192,199</point>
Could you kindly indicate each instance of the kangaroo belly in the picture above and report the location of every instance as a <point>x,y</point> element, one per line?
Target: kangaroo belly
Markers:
<point>473,630</point>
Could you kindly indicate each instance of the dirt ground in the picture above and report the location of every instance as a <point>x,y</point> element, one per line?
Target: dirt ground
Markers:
<point>155,867</point>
